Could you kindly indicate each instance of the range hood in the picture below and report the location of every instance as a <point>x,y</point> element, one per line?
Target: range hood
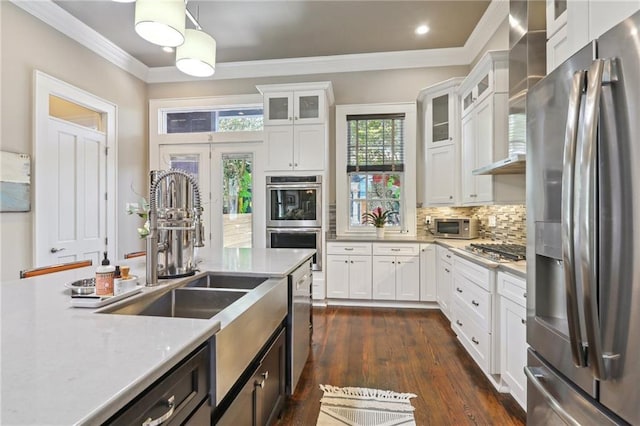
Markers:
<point>527,66</point>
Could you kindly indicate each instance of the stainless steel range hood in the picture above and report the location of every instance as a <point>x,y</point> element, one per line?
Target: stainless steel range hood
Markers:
<point>527,65</point>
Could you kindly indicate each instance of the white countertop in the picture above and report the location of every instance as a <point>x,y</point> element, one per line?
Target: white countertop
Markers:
<point>63,365</point>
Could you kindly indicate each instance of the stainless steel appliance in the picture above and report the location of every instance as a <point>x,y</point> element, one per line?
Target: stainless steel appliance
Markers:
<point>175,226</point>
<point>298,324</point>
<point>583,216</point>
<point>498,252</point>
<point>463,228</point>
<point>310,238</point>
<point>294,201</point>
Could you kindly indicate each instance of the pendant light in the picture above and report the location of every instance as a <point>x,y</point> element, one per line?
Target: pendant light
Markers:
<point>161,22</point>
<point>197,55</point>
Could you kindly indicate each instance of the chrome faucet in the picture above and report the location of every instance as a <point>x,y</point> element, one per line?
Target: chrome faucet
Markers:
<point>172,224</point>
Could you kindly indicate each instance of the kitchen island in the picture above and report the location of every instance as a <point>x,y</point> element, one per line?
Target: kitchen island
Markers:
<point>63,365</point>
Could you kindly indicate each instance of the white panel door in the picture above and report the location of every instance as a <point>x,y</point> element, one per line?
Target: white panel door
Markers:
<point>484,149</point>
<point>360,277</point>
<point>72,202</point>
<point>337,277</point>
<point>441,175</point>
<point>468,183</point>
<point>384,278</point>
<point>279,147</point>
<point>308,147</point>
<point>428,279</point>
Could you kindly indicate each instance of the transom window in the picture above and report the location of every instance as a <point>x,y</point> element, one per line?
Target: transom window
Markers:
<point>212,120</point>
<point>375,166</point>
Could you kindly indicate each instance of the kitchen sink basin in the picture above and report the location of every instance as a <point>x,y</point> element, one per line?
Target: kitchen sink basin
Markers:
<point>181,303</point>
<point>225,281</point>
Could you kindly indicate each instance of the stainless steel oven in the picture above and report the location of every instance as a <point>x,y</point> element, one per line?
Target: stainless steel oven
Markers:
<point>294,201</point>
<point>309,238</point>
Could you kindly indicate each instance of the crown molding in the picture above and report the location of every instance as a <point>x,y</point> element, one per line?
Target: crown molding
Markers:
<point>53,15</point>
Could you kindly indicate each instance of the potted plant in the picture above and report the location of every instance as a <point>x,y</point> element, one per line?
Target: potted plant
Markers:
<point>378,218</point>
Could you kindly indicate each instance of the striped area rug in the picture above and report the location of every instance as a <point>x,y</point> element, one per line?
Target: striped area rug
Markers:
<point>364,407</point>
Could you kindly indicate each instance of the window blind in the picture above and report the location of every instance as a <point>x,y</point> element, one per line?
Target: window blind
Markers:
<point>375,143</point>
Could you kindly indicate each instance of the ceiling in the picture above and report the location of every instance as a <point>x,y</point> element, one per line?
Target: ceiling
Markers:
<point>262,30</point>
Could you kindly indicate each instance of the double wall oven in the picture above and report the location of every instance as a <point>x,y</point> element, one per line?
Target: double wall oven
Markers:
<point>294,214</point>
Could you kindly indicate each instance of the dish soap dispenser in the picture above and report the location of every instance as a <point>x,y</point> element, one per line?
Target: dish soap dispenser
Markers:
<point>104,277</point>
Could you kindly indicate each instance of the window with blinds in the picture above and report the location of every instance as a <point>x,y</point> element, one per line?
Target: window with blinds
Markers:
<point>375,165</point>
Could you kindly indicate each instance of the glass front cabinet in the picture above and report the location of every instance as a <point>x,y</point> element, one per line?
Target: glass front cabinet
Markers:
<point>294,107</point>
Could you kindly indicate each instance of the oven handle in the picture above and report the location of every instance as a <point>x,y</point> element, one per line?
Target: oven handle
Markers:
<point>298,229</point>
<point>315,186</point>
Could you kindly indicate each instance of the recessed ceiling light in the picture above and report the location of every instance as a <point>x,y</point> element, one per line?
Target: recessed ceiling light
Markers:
<point>422,29</point>
<point>167,49</point>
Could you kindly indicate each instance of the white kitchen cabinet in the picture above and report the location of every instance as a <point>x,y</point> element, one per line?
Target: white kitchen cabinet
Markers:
<point>296,126</point>
<point>589,19</point>
<point>556,16</point>
<point>348,271</point>
<point>557,49</point>
<point>298,107</point>
<point>396,271</point>
<point>513,335</point>
<point>484,134</point>
<point>472,313</point>
<point>295,147</point>
<point>441,138</point>
<point>444,261</point>
<point>428,274</point>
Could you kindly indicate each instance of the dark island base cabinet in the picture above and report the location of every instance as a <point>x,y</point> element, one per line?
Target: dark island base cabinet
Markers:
<point>180,397</point>
<point>262,391</point>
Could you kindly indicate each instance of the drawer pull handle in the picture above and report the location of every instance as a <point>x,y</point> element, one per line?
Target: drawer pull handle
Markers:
<point>523,321</point>
<point>524,295</point>
<point>447,270</point>
<point>260,383</point>
<point>474,340</point>
<point>458,289</point>
<point>459,323</point>
<point>448,256</point>
<point>171,403</point>
<point>474,303</point>
<point>395,249</point>
<point>348,248</point>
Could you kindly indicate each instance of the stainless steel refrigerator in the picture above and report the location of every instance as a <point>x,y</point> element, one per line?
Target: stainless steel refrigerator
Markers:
<point>583,233</point>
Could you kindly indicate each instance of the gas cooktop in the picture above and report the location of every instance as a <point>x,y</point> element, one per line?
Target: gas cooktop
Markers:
<point>498,252</point>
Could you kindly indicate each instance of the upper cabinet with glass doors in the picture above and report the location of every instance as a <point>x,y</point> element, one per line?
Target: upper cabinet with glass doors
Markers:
<point>296,126</point>
<point>294,107</point>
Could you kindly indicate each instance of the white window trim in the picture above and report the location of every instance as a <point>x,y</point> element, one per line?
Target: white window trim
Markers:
<point>408,186</point>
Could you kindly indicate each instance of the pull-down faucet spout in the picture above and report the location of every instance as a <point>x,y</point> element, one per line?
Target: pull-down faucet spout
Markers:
<point>190,235</point>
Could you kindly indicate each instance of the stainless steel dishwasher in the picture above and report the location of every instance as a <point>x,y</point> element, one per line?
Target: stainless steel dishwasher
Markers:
<point>298,324</point>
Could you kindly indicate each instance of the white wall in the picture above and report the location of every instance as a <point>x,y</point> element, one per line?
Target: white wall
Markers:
<point>27,44</point>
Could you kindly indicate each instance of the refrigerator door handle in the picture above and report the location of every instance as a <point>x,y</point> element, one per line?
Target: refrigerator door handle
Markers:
<point>536,376</point>
<point>568,241</point>
<point>587,218</point>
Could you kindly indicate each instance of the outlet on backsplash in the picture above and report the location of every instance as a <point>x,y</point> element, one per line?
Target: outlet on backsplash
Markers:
<point>491,221</point>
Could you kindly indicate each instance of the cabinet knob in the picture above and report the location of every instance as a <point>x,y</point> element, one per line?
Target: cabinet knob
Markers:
<point>523,321</point>
<point>295,164</point>
<point>352,261</point>
<point>295,118</point>
<point>450,138</point>
<point>346,261</point>
<point>290,118</point>
<point>524,295</point>
<point>290,164</point>
<point>451,197</point>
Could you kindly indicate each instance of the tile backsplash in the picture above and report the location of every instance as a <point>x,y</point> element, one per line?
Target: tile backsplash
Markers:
<point>510,220</point>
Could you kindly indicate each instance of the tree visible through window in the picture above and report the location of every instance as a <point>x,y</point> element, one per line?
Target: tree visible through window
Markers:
<point>375,165</point>
<point>222,120</point>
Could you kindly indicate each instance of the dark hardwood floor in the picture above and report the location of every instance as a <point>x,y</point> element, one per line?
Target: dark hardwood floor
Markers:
<point>401,350</point>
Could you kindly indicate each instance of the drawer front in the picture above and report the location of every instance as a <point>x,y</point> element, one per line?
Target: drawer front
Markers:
<point>187,386</point>
<point>445,255</point>
<point>476,341</point>
<point>392,249</point>
<point>513,288</point>
<point>474,273</point>
<point>349,248</point>
<point>474,300</point>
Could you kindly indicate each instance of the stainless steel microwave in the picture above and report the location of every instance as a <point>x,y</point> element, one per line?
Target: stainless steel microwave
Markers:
<point>463,228</point>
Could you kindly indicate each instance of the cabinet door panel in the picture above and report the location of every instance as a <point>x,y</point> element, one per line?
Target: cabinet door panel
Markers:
<point>407,278</point>
<point>278,108</point>
<point>557,49</point>
<point>309,107</point>
<point>337,276</point>
<point>279,147</point>
<point>360,277</point>
<point>513,348</point>
<point>384,278</point>
<point>445,281</point>
<point>441,176</point>
<point>428,274</point>
<point>467,183</point>
<point>309,147</point>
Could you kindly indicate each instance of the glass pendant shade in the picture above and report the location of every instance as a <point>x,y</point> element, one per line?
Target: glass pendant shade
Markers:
<point>197,56</point>
<point>161,22</point>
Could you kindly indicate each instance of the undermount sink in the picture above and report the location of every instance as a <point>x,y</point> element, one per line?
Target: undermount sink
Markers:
<point>213,280</point>
<point>181,303</point>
